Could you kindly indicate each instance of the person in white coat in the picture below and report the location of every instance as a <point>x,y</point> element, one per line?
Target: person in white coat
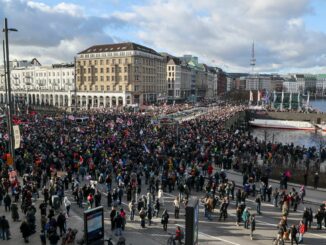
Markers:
<point>160,195</point>
<point>67,204</point>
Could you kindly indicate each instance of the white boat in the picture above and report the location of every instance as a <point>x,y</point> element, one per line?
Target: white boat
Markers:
<point>322,127</point>
<point>282,124</point>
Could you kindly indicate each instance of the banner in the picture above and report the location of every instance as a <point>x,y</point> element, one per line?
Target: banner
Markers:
<point>16,136</point>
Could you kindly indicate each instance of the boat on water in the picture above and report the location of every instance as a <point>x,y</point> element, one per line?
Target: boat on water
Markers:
<point>322,127</point>
<point>282,124</point>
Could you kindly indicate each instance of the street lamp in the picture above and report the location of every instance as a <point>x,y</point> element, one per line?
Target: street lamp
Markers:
<point>6,65</point>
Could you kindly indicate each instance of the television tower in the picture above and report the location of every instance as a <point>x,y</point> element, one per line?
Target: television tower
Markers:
<point>253,59</point>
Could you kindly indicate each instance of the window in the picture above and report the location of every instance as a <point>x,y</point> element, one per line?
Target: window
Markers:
<point>89,62</point>
<point>112,78</point>
<point>90,88</point>
<point>85,88</point>
<point>102,70</point>
<point>172,68</point>
<point>112,69</point>
<point>95,62</point>
<point>136,87</point>
<point>101,62</point>
<point>113,61</point>
<point>89,70</point>
<point>108,88</point>
<point>119,61</point>
<point>126,78</point>
<point>102,88</point>
<point>102,78</point>
<point>89,78</point>
<point>108,70</point>
<point>127,88</point>
<point>169,68</point>
<point>108,78</point>
<point>95,70</point>
<point>125,69</point>
<point>96,88</point>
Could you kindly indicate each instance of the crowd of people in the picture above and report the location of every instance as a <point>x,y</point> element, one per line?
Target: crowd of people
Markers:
<point>120,150</point>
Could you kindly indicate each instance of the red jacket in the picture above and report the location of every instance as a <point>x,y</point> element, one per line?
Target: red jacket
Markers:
<point>302,228</point>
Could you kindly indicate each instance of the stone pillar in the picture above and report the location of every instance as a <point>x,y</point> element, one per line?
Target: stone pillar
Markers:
<point>104,101</point>
<point>69,101</point>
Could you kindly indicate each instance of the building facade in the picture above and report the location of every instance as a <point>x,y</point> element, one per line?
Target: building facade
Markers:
<point>34,84</point>
<point>120,74</point>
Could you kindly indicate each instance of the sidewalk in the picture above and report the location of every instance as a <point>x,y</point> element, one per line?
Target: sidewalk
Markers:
<point>313,196</point>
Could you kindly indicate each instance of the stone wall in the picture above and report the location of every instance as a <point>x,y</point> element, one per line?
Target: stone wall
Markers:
<point>294,116</point>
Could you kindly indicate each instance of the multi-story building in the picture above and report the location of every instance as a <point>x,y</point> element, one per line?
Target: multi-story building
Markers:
<point>35,84</point>
<point>310,83</point>
<point>178,79</point>
<point>321,85</point>
<point>119,74</point>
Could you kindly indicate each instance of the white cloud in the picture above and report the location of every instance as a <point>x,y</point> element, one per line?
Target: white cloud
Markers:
<point>64,8</point>
<point>53,33</point>
<point>220,30</point>
<point>223,30</point>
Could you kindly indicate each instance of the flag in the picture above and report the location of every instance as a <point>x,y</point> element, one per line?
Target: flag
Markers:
<point>119,120</point>
<point>251,96</point>
<point>146,149</point>
<point>130,122</point>
<point>6,137</point>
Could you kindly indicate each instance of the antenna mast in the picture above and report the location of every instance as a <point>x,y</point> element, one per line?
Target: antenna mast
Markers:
<point>253,59</point>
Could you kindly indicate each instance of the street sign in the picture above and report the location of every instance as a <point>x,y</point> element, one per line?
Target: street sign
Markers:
<point>94,225</point>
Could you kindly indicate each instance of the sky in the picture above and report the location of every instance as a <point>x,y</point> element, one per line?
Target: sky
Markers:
<point>289,35</point>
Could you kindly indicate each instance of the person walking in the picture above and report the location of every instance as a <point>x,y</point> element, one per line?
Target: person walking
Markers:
<point>4,225</point>
<point>142,215</point>
<point>258,203</point>
<point>54,238</point>
<point>319,217</point>
<point>302,230</point>
<point>90,199</point>
<point>132,209</point>
<point>293,234</point>
<point>165,220</point>
<point>67,204</point>
<point>7,202</point>
<point>245,218</point>
<point>25,230</point>
<point>252,225</point>
<point>61,223</point>
<point>176,207</point>
<point>14,212</point>
<point>118,225</point>
<point>149,215</point>
<point>112,216</point>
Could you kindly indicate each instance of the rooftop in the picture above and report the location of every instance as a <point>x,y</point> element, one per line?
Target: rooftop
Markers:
<point>118,47</point>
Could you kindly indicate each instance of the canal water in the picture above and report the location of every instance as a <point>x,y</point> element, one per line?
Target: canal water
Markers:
<point>297,137</point>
